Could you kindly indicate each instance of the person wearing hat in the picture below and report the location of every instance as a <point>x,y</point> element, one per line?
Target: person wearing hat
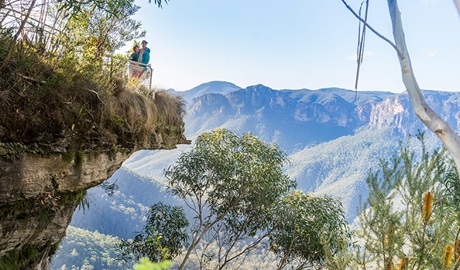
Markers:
<point>144,56</point>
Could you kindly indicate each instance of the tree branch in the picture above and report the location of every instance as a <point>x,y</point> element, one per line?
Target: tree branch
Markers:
<point>34,80</point>
<point>8,57</point>
<point>372,29</point>
<point>440,127</point>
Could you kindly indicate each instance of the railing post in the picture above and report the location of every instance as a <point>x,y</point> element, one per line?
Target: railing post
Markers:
<point>151,75</point>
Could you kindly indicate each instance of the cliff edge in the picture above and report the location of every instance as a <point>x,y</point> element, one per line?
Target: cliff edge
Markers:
<point>61,134</point>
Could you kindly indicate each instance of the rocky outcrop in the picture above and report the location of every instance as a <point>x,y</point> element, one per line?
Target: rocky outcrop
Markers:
<point>38,196</point>
<point>30,231</point>
<point>34,175</point>
<point>42,182</point>
<point>40,189</point>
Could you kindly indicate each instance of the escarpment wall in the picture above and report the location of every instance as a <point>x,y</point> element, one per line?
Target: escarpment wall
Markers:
<point>39,194</point>
<point>33,175</point>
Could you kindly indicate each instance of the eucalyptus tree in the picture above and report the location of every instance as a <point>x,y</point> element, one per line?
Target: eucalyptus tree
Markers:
<point>163,237</point>
<point>307,228</point>
<point>240,202</point>
<point>232,185</point>
<point>424,112</point>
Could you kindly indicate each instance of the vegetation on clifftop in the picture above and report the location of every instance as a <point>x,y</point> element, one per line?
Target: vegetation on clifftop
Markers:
<point>63,90</point>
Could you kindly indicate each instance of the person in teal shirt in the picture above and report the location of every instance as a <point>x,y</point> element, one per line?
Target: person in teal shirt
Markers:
<point>144,56</point>
<point>144,53</point>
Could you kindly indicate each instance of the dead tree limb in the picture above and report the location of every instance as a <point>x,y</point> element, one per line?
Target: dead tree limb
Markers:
<point>435,123</point>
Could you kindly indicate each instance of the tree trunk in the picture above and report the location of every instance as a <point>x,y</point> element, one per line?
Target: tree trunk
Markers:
<point>457,3</point>
<point>15,38</point>
<point>440,127</point>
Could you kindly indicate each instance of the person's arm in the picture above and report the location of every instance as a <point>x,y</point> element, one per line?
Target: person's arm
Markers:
<point>145,58</point>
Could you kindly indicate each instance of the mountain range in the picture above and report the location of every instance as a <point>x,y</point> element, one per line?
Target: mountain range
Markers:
<point>332,136</point>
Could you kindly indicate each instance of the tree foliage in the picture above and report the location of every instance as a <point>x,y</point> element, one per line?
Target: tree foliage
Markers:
<point>305,227</point>
<point>232,185</point>
<point>411,215</point>
<point>92,248</point>
<point>92,35</point>
<point>78,34</point>
<point>145,264</point>
<point>163,237</point>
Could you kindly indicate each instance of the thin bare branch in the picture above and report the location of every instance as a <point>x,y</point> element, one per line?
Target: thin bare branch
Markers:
<point>32,79</point>
<point>248,247</point>
<point>372,29</point>
<point>13,41</point>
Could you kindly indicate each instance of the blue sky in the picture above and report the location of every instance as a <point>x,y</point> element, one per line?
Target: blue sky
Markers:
<point>295,44</point>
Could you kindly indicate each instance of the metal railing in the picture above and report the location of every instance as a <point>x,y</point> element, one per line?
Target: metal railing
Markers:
<point>140,72</point>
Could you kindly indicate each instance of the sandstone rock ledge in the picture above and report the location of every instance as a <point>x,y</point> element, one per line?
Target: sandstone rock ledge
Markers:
<point>32,175</point>
<point>38,196</point>
<point>40,192</point>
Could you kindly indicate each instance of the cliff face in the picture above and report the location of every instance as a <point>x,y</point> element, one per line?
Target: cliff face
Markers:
<point>32,176</point>
<point>290,118</point>
<point>320,108</point>
<point>30,232</point>
<point>397,111</point>
<point>331,107</point>
<point>43,178</point>
<point>38,196</point>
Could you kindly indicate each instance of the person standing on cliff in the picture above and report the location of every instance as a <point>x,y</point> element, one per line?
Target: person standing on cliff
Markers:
<point>144,56</point>
<point>135,54</point>
<point>134,68</point>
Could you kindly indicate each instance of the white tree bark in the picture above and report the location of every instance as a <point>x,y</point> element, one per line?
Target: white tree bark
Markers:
<point>440,127</point>
<point>457,3</point>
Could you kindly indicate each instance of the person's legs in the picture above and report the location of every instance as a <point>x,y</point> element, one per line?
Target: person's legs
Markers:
<point>141,73</point>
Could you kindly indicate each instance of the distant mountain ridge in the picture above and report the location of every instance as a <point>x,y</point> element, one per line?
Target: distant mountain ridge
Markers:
<point>215,87</point>
<point>316,115</point>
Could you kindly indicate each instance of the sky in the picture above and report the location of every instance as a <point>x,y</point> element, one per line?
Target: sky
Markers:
<point>295,44</point>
